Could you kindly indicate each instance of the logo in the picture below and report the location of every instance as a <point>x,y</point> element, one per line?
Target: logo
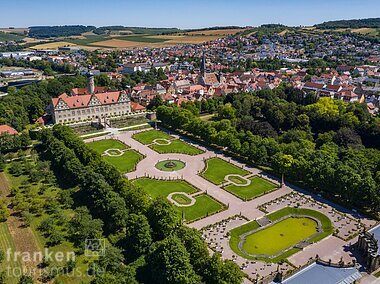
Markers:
<point>95,247</point>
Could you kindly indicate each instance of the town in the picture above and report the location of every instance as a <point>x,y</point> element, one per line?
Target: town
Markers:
<point>229,154</point>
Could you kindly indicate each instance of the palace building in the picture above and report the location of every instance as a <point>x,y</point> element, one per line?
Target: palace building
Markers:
<point>89,103</point>
<point>368,245</point>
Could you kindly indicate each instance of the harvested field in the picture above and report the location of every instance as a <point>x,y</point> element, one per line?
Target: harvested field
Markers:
<point>52,45</point>
<point>217,32</point>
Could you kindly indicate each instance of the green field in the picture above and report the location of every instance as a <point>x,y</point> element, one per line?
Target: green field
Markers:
<point>177,146</point>
<point>284,234</point>
<point>6,242</point>
<point>103,145</point>
<point>204,206</point>
<point>89,39</point>
<point>10,37</point>
<point>147,137</point>
<point>217,169</point>
<point>156,188</point>
<point>175,165</point>
<point>126,162</point>
<point>257,187</point>
<point>280,236</point>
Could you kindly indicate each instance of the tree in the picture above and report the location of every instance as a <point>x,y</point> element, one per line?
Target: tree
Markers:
<point>138,236</point>
<point>162,218</point>
<point>227,112</point>
<point>83,227</point>
<point>2,162</point>
<point>26,279</point>
<point>156,102</point>
<point>347,137</point>
<point>282,163</point>
<point>217,271</point>
<point>169,262</point>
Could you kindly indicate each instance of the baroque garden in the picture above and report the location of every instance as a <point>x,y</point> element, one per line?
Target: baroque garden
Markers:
<point>244,213</point>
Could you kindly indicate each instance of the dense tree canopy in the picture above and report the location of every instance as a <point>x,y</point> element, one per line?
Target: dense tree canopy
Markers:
<point>326,145</point>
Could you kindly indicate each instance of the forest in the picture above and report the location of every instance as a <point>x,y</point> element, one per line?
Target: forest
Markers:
<point>351,24</point>
<point>58,31</point>
<point>324,145</point>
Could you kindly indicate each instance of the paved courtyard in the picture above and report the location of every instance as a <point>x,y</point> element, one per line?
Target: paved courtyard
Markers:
<point>215,227</point>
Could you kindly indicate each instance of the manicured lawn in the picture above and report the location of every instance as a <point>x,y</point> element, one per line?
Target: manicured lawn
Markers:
<point>325,221</point>
<point>204,206</point>
<point>257,187</point>
<point>181,198</point>
<point>217,169</point>
<point>170,166</point>
<point>237,179</point>
<point>157,188</point>
<point>147,137</point>
<point>282,235</point>
<point>103,145</point>
<point>125,163</point>
<point>177,146</point>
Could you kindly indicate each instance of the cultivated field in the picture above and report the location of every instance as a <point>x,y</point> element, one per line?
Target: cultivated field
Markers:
<point>124,39</point>
<point>52,45</point>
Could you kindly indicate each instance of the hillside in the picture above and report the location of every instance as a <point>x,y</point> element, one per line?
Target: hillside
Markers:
<point>350,24</point>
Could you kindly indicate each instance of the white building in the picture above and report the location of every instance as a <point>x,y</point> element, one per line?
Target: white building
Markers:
<point>89,103</point>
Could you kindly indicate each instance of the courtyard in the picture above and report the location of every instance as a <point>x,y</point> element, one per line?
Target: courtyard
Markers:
<point>242,212</point>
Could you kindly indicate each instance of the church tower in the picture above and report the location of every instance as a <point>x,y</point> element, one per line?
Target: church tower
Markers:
<point>91,84</point>
<point>203,66</point>
<point>202,75</point>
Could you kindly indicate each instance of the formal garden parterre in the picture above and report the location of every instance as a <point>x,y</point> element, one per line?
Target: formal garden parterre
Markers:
<point>182,193</point>
<point>249,188</point>
<point>278,228</point>
<point>163,143</point>
<point>117,154</point>
<point>217,169</point>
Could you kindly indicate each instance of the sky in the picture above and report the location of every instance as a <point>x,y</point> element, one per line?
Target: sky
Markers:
<point>180,13</point>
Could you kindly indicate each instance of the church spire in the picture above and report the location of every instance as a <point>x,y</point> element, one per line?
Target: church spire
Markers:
<point>203,65</point>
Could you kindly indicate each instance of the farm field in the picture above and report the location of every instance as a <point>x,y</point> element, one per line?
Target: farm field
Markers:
<point>217,169</point>
<point>257,187</point>
<point>137,38</point>
<point>10,36</point>
<point>6,242</point>
<point>52,45</point>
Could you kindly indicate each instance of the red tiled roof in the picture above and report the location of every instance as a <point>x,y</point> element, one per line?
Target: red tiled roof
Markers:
<point>7,129</point>
<point>136,106</point>
<point>80,101</point>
